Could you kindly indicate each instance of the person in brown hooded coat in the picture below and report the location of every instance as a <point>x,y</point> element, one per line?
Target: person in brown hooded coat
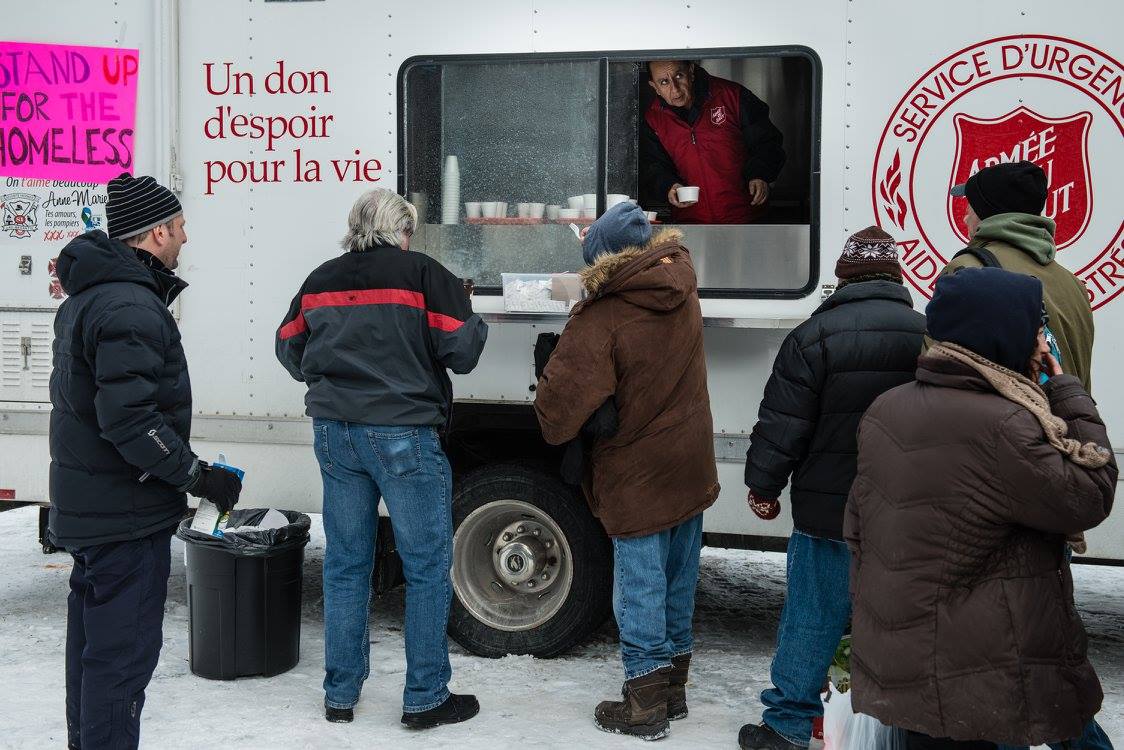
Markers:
<point>965,631</point>
<point>637,340</point>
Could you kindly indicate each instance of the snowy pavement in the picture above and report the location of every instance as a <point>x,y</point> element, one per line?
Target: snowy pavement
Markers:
<point>526,703</point>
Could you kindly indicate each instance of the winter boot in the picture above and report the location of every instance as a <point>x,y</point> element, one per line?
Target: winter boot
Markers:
<point>455,709</point>
<point>762,737</point>
<point>643,712</point>
<point>338,715</point>
<point>677,687</point>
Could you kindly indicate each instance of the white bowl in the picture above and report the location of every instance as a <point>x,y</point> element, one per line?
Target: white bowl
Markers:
<point>552,211</point>
<point>522,210</point>
<point>687,194</point>
<point>650,215</point>
<point>589,213</point>
<point>489,209</point>
<point>613,199</point>
<point>472,209</point>
<point>535,210</point>
<point>575,201</point>
<point>501,209</point>
<point>589,200</point>
<point>569,213</point>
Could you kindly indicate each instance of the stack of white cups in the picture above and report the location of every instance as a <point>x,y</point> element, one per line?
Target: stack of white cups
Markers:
<point>451,191</point>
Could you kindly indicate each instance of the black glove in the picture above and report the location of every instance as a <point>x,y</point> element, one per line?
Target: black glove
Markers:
<point>220,486</point>
<point>604,422</point>
<point>572,466</point>
<point>544,347</point>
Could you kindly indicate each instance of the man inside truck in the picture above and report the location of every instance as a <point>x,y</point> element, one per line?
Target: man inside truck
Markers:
<point>702,131</point>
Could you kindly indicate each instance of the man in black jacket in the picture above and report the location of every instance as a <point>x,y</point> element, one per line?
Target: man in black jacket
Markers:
<point>120,458</point>
<point>372,332</point>
<point>861,342</point>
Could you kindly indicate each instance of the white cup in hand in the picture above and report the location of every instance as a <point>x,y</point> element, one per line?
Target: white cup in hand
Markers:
<point>688,194</point>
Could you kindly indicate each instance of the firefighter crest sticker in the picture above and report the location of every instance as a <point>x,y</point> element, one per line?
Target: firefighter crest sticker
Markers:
<point>1048,100</point>
<point>20,214</point>
<point>718,115</point>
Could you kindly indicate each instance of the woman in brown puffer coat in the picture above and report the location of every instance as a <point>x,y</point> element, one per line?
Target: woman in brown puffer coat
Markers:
<point>969,480</point>
<point>637,342</point>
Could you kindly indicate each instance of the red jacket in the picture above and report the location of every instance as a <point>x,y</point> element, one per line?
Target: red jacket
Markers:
<point>711,152</point>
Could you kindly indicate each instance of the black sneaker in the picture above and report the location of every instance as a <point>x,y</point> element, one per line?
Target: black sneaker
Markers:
<point>339,715</point>
<point>455,709</point>
<point>761,737</point>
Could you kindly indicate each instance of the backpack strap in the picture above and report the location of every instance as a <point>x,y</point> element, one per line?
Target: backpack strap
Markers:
<point>986,258</point>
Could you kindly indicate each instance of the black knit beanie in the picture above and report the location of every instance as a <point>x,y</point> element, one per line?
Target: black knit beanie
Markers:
<point>137,205</point>
<point>1014,187</point>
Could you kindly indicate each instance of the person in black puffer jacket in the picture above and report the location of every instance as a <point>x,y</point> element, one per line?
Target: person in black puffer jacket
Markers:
<point>120,458</point>
<point>861,342</point>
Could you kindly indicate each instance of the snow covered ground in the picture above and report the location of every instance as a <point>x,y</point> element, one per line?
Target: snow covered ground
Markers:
<point>526,703</point>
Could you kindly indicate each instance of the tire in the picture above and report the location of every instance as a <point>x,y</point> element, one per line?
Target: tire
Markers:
<point>499,607</point>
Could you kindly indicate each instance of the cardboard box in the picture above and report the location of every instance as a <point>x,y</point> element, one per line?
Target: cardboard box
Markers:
<point>566,287</point>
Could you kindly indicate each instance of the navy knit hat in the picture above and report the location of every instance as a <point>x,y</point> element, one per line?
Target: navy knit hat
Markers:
<point>621,226</point>
<point>137,205</point>
<point>993,312</point>
<point>1012,187</point>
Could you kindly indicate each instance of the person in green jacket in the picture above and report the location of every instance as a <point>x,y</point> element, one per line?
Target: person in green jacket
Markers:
<point>1006,228</point>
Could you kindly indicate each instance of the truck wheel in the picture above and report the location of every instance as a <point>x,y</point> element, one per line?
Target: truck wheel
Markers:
<point>532,567</point>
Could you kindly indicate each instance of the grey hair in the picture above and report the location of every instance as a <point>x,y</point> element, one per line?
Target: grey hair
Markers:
<point>379,217</point>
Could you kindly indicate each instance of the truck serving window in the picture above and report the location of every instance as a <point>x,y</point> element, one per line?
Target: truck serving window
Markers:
<point>501,154</point>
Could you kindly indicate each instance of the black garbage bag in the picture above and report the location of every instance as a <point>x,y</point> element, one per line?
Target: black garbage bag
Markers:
<point>252,543</point>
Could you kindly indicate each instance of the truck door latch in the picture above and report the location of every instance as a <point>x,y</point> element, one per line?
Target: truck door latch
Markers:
<point>25,351</point>
<point>25,265</point>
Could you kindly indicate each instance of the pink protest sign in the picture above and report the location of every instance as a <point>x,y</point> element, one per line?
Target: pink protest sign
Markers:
<point>66,112</point>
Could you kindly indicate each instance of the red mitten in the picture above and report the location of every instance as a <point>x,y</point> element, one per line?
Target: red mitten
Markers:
<point>765,508</point>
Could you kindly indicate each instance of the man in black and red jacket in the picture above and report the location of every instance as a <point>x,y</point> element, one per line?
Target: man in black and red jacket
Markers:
<point>706,132</point>
<point>373,333</point>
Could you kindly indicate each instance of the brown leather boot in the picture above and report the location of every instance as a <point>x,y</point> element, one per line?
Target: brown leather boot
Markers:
<point>643,712</point>
<point>677,687</point>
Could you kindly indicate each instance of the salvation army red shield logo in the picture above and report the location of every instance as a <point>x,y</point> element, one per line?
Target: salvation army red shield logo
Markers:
<point>718,115</point>
<point>1059,145</point>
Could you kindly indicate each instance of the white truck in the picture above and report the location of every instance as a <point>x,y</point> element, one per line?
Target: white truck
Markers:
<point>270,117</point>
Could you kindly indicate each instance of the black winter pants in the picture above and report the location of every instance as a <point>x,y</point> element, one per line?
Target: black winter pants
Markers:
<point>114,618</point>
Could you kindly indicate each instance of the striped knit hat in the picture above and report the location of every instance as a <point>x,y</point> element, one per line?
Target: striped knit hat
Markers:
<point>868,252</point>
<point>137,205</point>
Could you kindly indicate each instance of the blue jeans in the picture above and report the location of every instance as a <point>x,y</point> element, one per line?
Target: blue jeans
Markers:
<point>408,468</point>
<point>1093,738</point>
<point>816,611</point>
<point>654,595</point>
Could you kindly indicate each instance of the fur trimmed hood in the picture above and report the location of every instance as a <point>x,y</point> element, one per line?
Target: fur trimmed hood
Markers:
<point>661,284</point>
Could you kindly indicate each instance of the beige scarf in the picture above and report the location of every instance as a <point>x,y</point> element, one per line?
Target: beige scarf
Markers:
<point>1022,391</point>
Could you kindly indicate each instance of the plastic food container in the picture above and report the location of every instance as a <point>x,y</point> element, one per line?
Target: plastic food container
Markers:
<point>541,292</point>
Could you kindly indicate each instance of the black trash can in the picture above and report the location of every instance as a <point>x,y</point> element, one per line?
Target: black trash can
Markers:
<point>244,597</point>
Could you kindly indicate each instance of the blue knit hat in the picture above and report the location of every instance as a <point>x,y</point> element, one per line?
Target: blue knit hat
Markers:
<point>994,313</point>
<point>621,226</point>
